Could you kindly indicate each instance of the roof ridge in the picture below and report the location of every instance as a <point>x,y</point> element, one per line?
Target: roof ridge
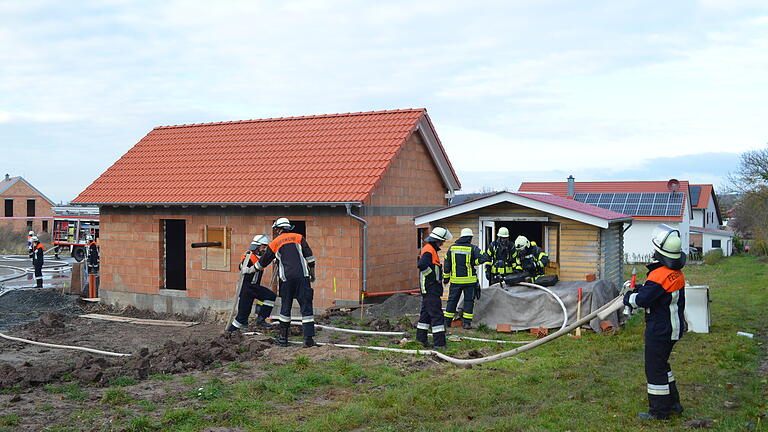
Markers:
<point>274,119</point>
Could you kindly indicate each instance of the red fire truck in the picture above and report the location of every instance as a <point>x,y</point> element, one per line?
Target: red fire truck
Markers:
<point>71,226</point>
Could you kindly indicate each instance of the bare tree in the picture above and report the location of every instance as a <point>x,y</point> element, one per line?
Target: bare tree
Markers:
<point>753,171</point>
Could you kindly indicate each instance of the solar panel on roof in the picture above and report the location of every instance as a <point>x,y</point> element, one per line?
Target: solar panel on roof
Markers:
<point>644,210</point>
<point>659,210</point>
<point>633,198</point>
<point>676,198</point>
<point>592,198</point>
<point>581,197</point>
<point>661,198</point>
<point>619,208</point>
<point>673,210</point>
<point>647,198</point>
<point>606,198</point>
<point>630,209</point>
<point>636,204</point>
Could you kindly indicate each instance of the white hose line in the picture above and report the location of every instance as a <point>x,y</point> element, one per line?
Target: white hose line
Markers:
<point>461,338</point>
<point>549,291</point>
<point>90,350</point>
<point>343,330</point>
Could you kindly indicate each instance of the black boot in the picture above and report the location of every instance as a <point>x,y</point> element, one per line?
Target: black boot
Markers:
<point>466,325</point>
<point>448,322</point>
<point>421,336</point>
<point>282,336</point>
<point>261,322</point>
<point>309,342</point>
<point>232,328</point>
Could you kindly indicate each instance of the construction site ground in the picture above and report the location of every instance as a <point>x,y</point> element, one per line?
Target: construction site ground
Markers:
<point>199,379</point>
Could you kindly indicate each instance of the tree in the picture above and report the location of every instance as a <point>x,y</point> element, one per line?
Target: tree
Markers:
<point>751,212</point>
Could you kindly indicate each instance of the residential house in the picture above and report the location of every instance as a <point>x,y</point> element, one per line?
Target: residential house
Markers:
<point>707,221</point>
<point>351,183</point>
<point>25,208</point>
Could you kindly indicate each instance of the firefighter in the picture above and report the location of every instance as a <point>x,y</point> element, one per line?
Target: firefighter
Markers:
<point>92,255</point>
<point>460,270</point>
<point>663,298</point>
<point>296,265</point>
<point>30,243</point>
<point>430,277</point>
<point>252,289</point>
<point>37,260</point>
<point>530,258</point>
<point>501,257</point>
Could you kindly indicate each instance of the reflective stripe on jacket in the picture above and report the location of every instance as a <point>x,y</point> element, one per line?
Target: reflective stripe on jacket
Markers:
<point>461,261</point>
<point>293,254</point>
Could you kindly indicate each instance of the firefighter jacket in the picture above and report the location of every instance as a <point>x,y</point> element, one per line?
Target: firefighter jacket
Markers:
<point>501,255</point>
<point>532,260</point>
<point>250,267</point>
<point>93,254</point>
<point>293,254</point>
<point>461,261</point>
<point>37,255</point>
<point>430,270</point>
<point>663,297</point>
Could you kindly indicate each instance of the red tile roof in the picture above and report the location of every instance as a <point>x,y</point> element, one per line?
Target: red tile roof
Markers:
<point>312,159</point>
<point>561,189</point>
<point>704,195</point>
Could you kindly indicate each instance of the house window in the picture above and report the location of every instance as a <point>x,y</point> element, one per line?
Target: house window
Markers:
<point>30,208</point>
<point>9,207</point>
<point>715,243</point>
<point>217,257</point>
<point>420,234</point>
<point>45,226</point>
<point>29,226</point>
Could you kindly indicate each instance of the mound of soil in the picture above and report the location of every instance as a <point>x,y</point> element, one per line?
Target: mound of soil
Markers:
<point>172,357</point>
<point>396,306</point>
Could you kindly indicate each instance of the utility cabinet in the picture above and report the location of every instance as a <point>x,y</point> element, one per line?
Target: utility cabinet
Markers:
<point>697,308</point>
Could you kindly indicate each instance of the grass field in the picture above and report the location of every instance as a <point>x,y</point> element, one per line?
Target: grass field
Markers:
<point>591,384</point>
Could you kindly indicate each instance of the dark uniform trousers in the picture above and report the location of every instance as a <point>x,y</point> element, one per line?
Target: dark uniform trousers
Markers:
<point>454,293</point>
<point>263,296</point>
<point>662,390</point>
<point>431,315</point>
<point>301,290</point>
<point>39,275</point>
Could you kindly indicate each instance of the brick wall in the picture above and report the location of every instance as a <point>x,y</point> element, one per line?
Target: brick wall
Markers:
<point>131,246</point>
<point>411,180</point>
<point>20,192</point>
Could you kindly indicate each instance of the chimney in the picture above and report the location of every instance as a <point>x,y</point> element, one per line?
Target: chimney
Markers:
<point>7,177</point>
<point>571,186</point>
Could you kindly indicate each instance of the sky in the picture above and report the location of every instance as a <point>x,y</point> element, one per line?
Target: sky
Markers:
<point>518,90</point>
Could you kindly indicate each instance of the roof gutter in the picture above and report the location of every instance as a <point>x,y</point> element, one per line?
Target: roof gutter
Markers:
<point>262,204</point>
<point>364,224</point>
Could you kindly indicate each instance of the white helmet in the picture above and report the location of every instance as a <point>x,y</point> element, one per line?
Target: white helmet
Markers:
<point>503,232</point>
<point>666,241</point>
<point>283,223</point>
<point>89,237</point>
<point>260,240</point>
<point>31,233</point>
<point>521,242</point>
<point>441,234</point>
<point>467,232</point>
<point>35,239</point>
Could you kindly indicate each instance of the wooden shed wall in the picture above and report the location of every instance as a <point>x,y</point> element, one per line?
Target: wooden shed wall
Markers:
<point>612,252</point>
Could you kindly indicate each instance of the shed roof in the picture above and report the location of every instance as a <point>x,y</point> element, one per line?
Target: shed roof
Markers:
<point>547,203</point>
<point>324,159</point>
<point>561,189</point>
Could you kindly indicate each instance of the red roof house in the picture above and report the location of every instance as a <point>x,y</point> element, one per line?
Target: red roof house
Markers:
<point>350,182</point>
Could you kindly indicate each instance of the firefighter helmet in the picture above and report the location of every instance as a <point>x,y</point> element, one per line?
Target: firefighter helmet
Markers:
<point>31,233</point>
<point>668,247</point>
<point>260,240</point>
<point>521,242</point>
<point>35,239</point>
<point>440,234</point>
<point>467,232</point>
<point>503,232</point>
<point>283,223</point>
<point>89,237</point>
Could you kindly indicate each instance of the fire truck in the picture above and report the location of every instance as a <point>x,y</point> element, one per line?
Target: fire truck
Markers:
<point>71,226</point>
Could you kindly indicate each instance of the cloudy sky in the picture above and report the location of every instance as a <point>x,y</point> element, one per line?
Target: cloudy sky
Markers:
<point>518,90</point>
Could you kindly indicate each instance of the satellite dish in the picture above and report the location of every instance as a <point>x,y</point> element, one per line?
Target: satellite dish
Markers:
<point>673,185</point>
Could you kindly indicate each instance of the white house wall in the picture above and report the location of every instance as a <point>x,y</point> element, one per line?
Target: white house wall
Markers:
<point>637,239</point>
<point>726,243</point>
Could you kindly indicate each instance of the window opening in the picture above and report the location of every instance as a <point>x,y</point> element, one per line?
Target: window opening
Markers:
<point>30,208</point>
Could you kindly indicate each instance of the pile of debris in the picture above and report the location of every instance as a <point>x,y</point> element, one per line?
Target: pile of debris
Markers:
<point>27,305</point>
<point>396,306</point>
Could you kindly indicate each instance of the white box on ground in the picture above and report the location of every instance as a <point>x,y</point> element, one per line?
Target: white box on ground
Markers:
<point>697,308</point>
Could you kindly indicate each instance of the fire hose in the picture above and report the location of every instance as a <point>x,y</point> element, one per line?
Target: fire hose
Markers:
<point>90,350</point>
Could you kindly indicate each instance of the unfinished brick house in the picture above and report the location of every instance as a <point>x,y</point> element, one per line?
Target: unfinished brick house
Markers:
<point>351,183</point>
<point>24,207</point>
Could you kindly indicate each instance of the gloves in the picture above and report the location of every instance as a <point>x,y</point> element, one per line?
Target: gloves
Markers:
<point>312,273</point>
<point>477,293</point>
<point>626,297</point>
<point>446,281</point>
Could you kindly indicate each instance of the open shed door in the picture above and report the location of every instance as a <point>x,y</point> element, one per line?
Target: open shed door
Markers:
<point>487,235</point>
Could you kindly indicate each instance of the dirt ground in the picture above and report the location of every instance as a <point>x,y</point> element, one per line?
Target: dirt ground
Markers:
<point>30,375</point>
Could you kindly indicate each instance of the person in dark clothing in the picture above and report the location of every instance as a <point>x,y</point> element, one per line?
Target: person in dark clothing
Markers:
<point>251,288</point>
<point>296,266</point>
<point>460,270</point>
<point>431,284</point>
<point>37,255</point>
<point>530,258</point>
<point>92,254</point>
<point>501,256</point>
<point>663,297</point>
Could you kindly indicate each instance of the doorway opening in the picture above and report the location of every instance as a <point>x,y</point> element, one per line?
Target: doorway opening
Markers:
<point>174,254</point>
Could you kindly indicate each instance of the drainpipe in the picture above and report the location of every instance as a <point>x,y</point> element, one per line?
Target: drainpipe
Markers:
<point>364,223</point>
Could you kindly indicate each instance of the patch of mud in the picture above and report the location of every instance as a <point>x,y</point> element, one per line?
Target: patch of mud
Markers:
<point>131,311</point>
<point>396,306</point>
<point>172,357</point>
<point>24,306</point>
